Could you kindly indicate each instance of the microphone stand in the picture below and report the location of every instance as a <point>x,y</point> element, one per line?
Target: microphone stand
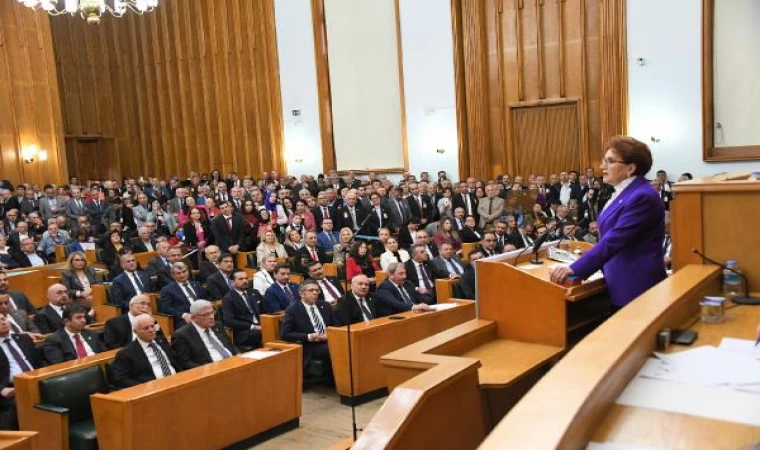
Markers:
<point>747,299</point>
<point>347,319</point>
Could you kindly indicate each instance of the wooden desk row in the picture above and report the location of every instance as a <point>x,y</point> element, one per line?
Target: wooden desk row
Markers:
<point>209,407</point>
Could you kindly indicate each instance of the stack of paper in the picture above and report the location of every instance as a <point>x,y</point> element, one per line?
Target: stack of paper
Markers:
<point>704,366</point>
<point>442,306</point>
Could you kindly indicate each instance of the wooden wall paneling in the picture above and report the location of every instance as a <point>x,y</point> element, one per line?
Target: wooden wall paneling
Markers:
<point>540,57</point>
<point>323,83</point>
<point>504,86</point>
<point>613,73</point>
<point>460,88</point>
<point>561,45</point>
<point>551,44</point>
<point>276,126</point>
<point>496,104</point>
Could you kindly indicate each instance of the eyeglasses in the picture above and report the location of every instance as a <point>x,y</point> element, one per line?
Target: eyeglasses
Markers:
<point>609,162</point>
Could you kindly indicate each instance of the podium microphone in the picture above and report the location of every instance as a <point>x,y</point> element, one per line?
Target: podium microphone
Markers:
<point>747,299</point>
<point>537,246</point>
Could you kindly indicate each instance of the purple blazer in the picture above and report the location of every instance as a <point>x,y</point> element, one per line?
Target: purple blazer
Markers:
<point>629,251</point>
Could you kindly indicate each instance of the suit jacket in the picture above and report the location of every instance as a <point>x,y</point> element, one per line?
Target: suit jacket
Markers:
<point>239,314</point>
<point>350,311</point>
<point>28,205</point>
<point>458,201</point>
<point>160,272</point>
<point>466,285</point>
<point>118,332</point>
<point>469,236</point>
<point>59,348</point>
<point>191,235</point>
<point>303,257</point>
<point>14,241</point>
<point>296,326</point>
<point>631,233</point>
<point>131,366</point>
<point>399,219</point>
<point>344,216</point>
<point>173,300</point>
<point>122,290</point>
<point>47,211</point>
<point>97,210</point>
<point>48,320</point>
<point>420,211</point>
<point>22,302</point>
<point>323,241</point>
<point>72,282</point>
<point>277,300</point>
<point>224,237</point>
<point>441,269</point>
<point>190,350</point>
<point>319,216</point>
<point>27,347</point>
<point>217,285</point>
<point>74,210</point>
<point>390,301</point>
<point>138,246</point>
<point>413,277</point>
<point>23,321</point>
<point>496,209</point>
<point>23,260</point>
<point>375,222</point>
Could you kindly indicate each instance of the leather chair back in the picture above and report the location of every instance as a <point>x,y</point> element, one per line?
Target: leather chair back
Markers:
<point>72,391</point>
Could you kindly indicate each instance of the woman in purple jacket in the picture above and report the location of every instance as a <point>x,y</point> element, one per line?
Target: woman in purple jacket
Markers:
<point>631,227</point>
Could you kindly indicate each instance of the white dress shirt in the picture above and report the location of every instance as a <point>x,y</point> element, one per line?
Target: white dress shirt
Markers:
<point>15,369</point>
<point>329,296</point>
<point>205,337</point>
<point>312,316</point>
<point>153,359</point>
<point>13,322</point>
<point>262,280</point>
<point>81,338</point>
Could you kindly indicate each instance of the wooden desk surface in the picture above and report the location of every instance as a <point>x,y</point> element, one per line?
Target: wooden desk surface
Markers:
<point>503,361</point>
<point>18,440</point>
<point>661,429</point>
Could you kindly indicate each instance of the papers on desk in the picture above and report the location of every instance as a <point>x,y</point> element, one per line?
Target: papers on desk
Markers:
<point>615,446</point>
<point>259,354</point>
<point>705,381</point>
<point>743,346</point>
<point>443,306</point>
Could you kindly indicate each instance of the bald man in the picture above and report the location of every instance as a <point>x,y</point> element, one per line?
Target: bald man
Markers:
<point>50,318</point>
<point>357,305</point>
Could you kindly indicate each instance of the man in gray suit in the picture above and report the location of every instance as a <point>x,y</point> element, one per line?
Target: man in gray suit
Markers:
<point>17,319</point>
<point>490,207</point>
<point>399,209</point>
<point>447,264</point>
<point>76,208</point>
<point>140,212</point>
<point>50,205</point>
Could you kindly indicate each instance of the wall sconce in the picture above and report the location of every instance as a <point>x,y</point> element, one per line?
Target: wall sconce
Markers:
<point>440,151</point>
<point>655,140</point>
<point>28,154</point>
<point>298,159</point>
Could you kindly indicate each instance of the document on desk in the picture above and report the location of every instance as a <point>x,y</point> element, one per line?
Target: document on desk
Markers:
<point>743,346</point>
<point>443,306</point>
<point>258,354</point>
<point>703,366</point>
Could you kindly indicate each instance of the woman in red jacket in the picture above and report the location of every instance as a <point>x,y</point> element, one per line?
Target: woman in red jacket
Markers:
<point>359,262</point>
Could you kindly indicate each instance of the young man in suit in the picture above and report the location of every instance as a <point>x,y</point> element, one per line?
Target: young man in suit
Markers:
<point>328,237</point>
<point>420,275</point>
<point>18,355</point>
<point>49,319</point>
<point>146,358</point>
<point>118,330</point>
<point>306,322</point>
<point>228,229</point>
<point>379,216</point>
<point>18,300</point>
<point>218,284</point>
<point>465,200</point>
<point>282,293</point>
<point>241,311</point>
<point>129,283</point>
<point>323,211</point>
<point>420,206</point>
<point>201,342</point>
<point>331,290</point>
<point>396,294</point>
<point>72,341</point>
<point>176,297</point>
<point>309,253</point>
<point>357,305</point>
<point>96,209</point>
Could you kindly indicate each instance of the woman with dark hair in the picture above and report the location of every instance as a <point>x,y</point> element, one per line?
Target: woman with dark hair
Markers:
<point>109,255</point>
<point>447,234</point>
<point>359,262</point>
<point>196,231</point>
<point>631,227</point>
<point>302,209</point>
<point>470,232</point>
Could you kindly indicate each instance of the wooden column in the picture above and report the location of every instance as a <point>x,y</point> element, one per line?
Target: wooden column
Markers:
<point>614,70</point>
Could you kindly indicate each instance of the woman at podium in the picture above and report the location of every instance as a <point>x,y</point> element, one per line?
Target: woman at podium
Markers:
<point>631,227</point>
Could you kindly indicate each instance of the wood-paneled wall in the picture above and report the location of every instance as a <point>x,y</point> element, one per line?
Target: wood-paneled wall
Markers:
<point>30,110</point>
<point>191,86</point>
<point>541,84</point>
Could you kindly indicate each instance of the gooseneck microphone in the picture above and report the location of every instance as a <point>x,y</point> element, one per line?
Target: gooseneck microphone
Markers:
<point>747,299</point>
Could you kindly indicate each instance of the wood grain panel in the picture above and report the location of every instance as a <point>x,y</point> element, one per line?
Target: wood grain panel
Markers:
<point>548,137</point>
<point>539,52</point>
<point>29,94</point>
<point>192,86</point>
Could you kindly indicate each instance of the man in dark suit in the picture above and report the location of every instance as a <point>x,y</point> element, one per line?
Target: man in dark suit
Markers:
<point>18,300</point>
<point>72,341</point>
<point>418,272</point>
<point>306,322</point>
<point>96,209</point>
<point>17,319</point>
<point>22,232</point>
<point>379,216</point>
<point>159,268</point>
<point>420,206</point>
<point>144,242</point>
<point>201,342</point>
<point>218,284</point>
<point>282,293</point>
<point>396,294</point>
<point>18,355</point>
<point>463,199</point>
<point>488,245</point>
<point>352,214</point>
<point>399,209</point>
<point>129,283</point>
<point>447,265</point>
<point>357,305</point>
<point>228,229</point>
<point>50,318</point>
<point>241,311</point>
<point>147,358</point>
<point>176,297</point>
<point>309,253</point>
<point>118,330</point>
<point>323,211</point>
<point>27,257</point>
<point>466,286</point>
<point>330,289</point>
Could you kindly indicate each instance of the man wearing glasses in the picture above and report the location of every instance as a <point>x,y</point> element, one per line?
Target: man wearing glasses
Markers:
<point>202,341</point>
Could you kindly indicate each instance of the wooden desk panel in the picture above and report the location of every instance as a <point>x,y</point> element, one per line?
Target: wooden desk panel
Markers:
<point>19,440</point>
<point>209,407</point>
<point>371,340</point>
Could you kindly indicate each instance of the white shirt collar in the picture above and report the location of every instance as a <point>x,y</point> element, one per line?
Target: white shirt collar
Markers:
<point>199,329</point>
<point>620,187</point>
<point>57,309</point>
<point>71,335</point>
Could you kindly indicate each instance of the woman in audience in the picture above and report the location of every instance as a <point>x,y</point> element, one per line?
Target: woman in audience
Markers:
<point>109,255</point>
<point>264,277</point>
<point>445,205</point>
<point>378,248</point>
<point>81,242</point>
<point>470,233</point>
<point>293,243</point>
<point>211,209</point>
<point>165,222</point>
<point>197,233</point>
<point>480,193</point>
<point>343,247</point>
<point>269,246</point>
<point>537,214</point>
<point>78,278</point>
<point>184,212</point>
<point>6,260</point>
<point>307,217</point>
<point>359,262</point>
<point>393,254</point>
<point>265,223</point>
<point>284,212</point>
<point>447,234</point>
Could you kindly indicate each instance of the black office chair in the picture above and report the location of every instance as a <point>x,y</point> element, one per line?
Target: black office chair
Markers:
<point>70,394</point>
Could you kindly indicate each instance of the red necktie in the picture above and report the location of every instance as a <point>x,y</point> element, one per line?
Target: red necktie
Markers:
<point>81,351</point>
<point>313,255</point>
